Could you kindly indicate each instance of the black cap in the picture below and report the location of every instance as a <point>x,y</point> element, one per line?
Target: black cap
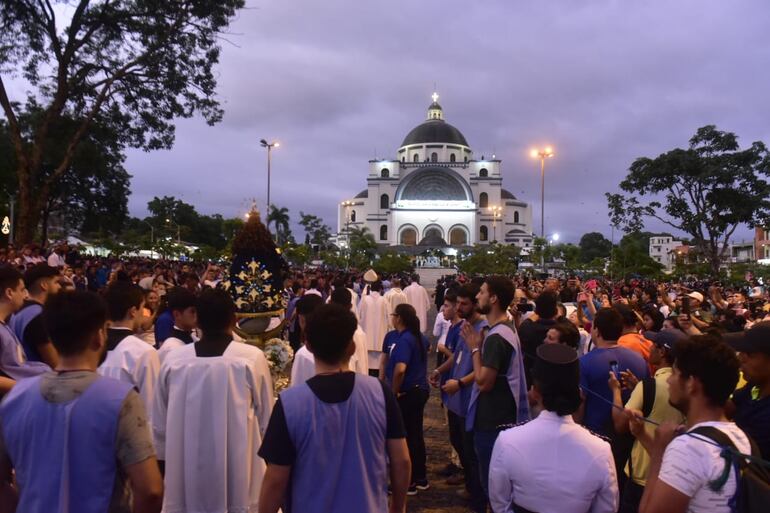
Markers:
<point>39,272</point>
<point>556,362</point>
<point>665,338</point>
<point>754,340</point>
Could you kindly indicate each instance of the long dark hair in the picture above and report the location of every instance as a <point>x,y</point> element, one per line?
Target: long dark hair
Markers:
<point>408,316</point>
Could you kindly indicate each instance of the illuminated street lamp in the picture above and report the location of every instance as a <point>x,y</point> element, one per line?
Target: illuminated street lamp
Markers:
<point>169,221</point>
<point>543,154</point>
<point>497,212</point>
<point>347,205</point>
<point>269,146</point>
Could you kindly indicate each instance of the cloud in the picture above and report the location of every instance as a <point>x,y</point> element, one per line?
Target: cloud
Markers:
<point>339,82</point>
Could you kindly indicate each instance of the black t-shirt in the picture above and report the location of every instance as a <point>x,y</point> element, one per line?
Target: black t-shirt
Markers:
<point>753,417</point>
<point>35,334</point>
<point>277,447</point>
<point>531,335</point>
<point>496,407</point>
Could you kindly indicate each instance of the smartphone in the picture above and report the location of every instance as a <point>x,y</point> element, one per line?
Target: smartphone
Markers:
<point>524,307</point>
<point>615,369</point>
<point>686,305</point>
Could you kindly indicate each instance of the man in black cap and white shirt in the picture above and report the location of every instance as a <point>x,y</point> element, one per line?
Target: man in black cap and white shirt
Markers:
<point>551,463</point>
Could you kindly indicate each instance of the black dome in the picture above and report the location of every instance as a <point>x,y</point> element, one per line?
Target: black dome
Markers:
<point>434,131</point>
<point>507,194</point>
<point>362,194</point>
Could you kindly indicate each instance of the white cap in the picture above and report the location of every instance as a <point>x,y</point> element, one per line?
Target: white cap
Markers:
<point>696,295</point>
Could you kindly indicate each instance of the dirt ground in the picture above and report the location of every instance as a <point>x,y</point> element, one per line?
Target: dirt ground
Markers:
<point>441,497</point>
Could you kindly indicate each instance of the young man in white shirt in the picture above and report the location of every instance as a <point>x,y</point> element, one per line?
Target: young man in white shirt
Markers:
<point>682,467</point>
<point>129,358</point>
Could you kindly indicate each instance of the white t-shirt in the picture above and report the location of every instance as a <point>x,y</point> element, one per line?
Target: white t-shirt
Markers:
<point>689,464</point>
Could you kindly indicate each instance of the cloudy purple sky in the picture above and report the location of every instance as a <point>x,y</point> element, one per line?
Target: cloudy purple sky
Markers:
<point>340,82</point>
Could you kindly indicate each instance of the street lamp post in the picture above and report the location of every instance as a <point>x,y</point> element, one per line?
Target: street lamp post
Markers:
<point>152,232</point>
<point>497,212</point>
<point>178,238</point>
<point>543,154</point>
<point>269,146</point>
<point>347,205</point>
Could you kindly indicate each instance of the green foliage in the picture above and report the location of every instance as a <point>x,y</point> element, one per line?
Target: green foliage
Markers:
<point>631,257</point>
<point>279,218</point>
<point>489,259</point>
<point>708,190</point>
<point>569,253</point>
<point>296,254</point>
<point>594,245</point>
<point>92,197</point>
<point>363,247</point>
<point>131,67</point>
<point>316,232</point>
<point>391,263</point>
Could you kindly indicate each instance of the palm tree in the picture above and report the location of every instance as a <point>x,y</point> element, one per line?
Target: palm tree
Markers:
<point>279,217</point>
<point>363,246</point>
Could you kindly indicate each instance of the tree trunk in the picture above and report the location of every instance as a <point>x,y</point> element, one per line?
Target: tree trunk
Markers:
<point>28,219</point>
<point>44,227</point>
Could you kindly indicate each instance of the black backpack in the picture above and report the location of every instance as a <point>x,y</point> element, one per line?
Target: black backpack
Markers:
<point>752,493</point>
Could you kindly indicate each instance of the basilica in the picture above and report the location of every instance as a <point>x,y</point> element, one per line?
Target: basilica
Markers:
<point>436,194</point>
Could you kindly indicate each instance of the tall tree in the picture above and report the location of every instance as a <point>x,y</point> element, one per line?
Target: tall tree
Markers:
<point>279,218</point>
<point>316,232</point>
<point>132,65</point>
<point>594,245</point>
<point>708,190</point>
<point>363,247</point>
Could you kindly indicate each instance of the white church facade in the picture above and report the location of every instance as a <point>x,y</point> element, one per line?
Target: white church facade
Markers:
<point>436,194</point>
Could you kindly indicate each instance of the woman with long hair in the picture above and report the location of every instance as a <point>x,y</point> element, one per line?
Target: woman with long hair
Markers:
<point>407,373</point>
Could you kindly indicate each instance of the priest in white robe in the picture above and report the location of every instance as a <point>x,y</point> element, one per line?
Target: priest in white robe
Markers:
<point>214,400</point>
<point>395,296</point>
<point>374,313</point>
<point>418,297</point>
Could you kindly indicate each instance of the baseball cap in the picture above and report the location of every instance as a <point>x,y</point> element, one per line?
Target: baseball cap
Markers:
<point>665,338</point>
<point>754,340</point>
<point>696,295</point>
<point>39,272</point>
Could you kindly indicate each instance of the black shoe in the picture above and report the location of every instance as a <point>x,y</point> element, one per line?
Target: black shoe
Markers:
<point>421,485</point>
<point>412,490</point>
<point>449,469</point>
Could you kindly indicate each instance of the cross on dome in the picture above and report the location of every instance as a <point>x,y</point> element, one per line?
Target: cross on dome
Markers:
<point>434,96</point>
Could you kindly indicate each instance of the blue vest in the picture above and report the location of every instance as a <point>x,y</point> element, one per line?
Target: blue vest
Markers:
<point>515,377</point>
<point>64,453</point>
<point>461,367</point>
<point>340,465</point>
<point>18,324</point>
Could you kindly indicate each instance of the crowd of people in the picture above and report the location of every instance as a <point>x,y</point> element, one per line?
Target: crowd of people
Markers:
<point>127,388</point>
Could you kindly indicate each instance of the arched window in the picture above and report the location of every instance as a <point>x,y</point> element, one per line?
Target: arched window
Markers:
<point>403,159</point>
<point>384,201</point>
<point>384,173</point>
<point>483,200</point>
<point>409,237</point>
<point>483,172</point>
<point>452,157</point>
<point>484,233</point>
<point>384,232</point>
<point>516,217</point>
<point>416,158</point>
<point>458,237</point>
<point>434,157</point>
<point>465,159</point>
<point>352,216</point>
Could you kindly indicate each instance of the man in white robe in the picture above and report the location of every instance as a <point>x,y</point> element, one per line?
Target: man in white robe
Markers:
<point>374,313</point>
<point>129,358</point>
<point>395,296</point>
<point>418,297</point>
<point>214,400</point>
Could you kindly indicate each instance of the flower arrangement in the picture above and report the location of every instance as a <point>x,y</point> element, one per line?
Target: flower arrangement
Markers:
<point>279,355</point>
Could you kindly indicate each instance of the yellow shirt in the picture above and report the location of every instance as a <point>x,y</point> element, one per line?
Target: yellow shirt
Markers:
<point>662,411</point>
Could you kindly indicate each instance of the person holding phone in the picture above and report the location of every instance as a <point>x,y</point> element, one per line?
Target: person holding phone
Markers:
<point>595,367</point>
